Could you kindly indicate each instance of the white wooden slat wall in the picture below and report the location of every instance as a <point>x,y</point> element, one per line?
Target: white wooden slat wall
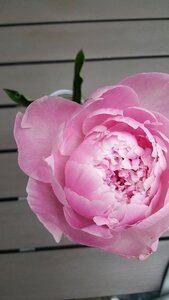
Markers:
<point>99,40</point>
<point>39,40</point>
<point>77,273</point>
<point>75,10</point>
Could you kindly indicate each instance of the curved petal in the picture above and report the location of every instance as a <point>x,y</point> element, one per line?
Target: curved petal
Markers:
<point>157,223</point>
<point>57,163</point>
<point>74,220</point>
<point>152,90</point>
<point>133,214</point>
<point>115,96</point>
<point>83,206</point>
<point>140,114</point>
<point>36,133</point>
<point>98,117</point>
<point>45,205</point>
<point>82,178</point>
<point>133,243</point>
<point>163,124</point>
<point>99,231</point>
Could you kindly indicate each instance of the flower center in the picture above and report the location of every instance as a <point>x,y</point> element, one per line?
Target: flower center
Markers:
<point>125,168</point>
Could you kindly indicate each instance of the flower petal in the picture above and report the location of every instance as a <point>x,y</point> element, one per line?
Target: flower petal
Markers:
<point>132,243</point>
<point>152,90</point>
<point>36,133</point>
<point>98,117</point>
<point>115,96</point>
<point>133,214</point>
<point>164,124</point>
<point>140,114</point>
<point>75,220</point>
<point>45,205</point>
<point>82,178</point>
<point>99,231</point>
<point>157,223</point>
<point>83,206</point>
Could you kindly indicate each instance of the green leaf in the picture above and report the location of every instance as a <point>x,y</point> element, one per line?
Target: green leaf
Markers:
<point>18,98</point>
<point>77,81</point>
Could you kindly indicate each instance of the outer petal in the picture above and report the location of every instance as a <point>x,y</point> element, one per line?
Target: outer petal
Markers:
<point>45,205</point>
<point>152,90</point>
<point>158,223</point>
<point>36,133</point>
<point>133,243</point>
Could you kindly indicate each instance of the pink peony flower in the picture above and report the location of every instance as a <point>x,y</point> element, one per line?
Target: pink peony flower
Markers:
<point>99,172</point>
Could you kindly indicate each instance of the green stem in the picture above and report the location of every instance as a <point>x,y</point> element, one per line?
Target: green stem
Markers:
<point>77,81</point>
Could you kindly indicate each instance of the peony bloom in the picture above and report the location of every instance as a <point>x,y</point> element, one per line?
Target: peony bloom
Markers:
<point>99,172</point>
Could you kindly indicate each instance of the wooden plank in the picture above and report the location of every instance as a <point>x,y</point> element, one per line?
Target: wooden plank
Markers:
<point>20,229</point>
<point>77,273</point>
<point>42,79</point>
<point>61,42</point>
<point>12,180</point>
<point>7,119</point>
<point>68,10</point>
